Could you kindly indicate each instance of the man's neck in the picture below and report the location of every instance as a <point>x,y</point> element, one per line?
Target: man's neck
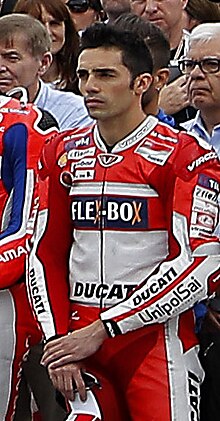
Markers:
<point>175,35</point>
<point>52,74</point>
<point>33,90</point>
<point>210,119</point>
<point>115,129</point>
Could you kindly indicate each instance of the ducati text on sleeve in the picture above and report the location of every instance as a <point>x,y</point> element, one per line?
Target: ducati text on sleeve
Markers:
<point>165,307</point>
<point>36,297</point>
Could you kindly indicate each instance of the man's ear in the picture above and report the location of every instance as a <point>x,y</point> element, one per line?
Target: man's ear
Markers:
<point>160,78</point>
<point>184,3</point>
<point>142,83</point>
<point>45,63</point>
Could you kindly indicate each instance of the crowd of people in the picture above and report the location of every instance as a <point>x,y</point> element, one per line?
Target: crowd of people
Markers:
<point>109,210</point>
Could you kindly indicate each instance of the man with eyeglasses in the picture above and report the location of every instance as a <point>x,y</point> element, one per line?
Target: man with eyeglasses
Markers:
<point>202,67</point>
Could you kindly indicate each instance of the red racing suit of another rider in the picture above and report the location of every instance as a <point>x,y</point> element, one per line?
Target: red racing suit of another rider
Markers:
<point>23,131</point>
<point>131,232</point>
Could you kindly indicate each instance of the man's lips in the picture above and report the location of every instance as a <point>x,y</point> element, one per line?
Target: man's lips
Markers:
<point>93,102</point>
<point>5,81</point>
<point>155,20</point>
<point>197,88</point>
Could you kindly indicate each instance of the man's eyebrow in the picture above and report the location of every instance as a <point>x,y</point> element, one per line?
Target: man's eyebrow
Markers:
<point>105,69</point>
<point>96,70</point>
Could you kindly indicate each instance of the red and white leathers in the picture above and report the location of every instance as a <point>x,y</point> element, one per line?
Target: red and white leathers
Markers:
<point>23,131</point>
<point>127,235</point>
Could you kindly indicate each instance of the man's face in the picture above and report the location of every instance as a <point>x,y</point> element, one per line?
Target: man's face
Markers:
<point>204,92</point>
<point>164,13</point>
<point>18,67</point>
<point>105,83</point>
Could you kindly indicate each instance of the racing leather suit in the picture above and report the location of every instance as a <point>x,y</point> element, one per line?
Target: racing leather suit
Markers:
<point>23,131</point>
<point>127,235</point>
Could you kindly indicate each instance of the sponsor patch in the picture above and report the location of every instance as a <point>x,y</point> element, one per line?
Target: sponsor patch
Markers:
<point>82,141</point>
<point>62,160</point>
<point>155,152</point>
<point>109,159</point>
<point>79,154</point>
<point>84,174</point>
<point>14,111</point>
<point>204,215</point>
<point>119,213</point>
<point>85,162</point>
<point>177,298</point>
<point>88,291</point>
<point>201,160</point>
<point>208,182</point>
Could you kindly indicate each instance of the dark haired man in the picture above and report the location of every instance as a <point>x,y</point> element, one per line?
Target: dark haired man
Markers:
<point>131,192</point>
<point>159,47</point>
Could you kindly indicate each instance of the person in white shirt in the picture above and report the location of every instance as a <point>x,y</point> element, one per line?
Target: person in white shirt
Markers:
<point>21,65</point>
<point>202,67</point>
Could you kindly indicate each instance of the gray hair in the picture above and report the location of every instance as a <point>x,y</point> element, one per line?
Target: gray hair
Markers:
<point>204,32</point>
<point>32,30</point>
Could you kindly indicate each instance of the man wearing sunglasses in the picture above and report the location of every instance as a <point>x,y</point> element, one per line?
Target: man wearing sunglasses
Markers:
<point>85,12</point>
<point>202,67</point>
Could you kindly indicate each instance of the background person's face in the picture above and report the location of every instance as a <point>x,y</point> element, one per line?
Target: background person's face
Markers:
<point>204,92</point>
<point>18,67</point>
<point>56,29</point>
<point>164,13</point>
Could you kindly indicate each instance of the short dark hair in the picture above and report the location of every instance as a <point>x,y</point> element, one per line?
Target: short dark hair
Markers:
<point>153,36</point>
<point>136,55</point>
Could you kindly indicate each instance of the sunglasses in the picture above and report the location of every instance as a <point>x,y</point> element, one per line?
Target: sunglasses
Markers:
<point>78,6</point>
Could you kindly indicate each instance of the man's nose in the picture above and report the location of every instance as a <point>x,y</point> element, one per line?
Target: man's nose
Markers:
<point>196,72</point>
<point>150,6</point>
<point>91,84</point>
<point>3,67</point>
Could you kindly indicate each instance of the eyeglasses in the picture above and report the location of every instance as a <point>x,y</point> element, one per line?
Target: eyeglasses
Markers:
<point>78,6</point>
<point>207,65</point>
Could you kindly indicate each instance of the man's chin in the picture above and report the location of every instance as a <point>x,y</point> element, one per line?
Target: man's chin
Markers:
<point>4,90</point>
